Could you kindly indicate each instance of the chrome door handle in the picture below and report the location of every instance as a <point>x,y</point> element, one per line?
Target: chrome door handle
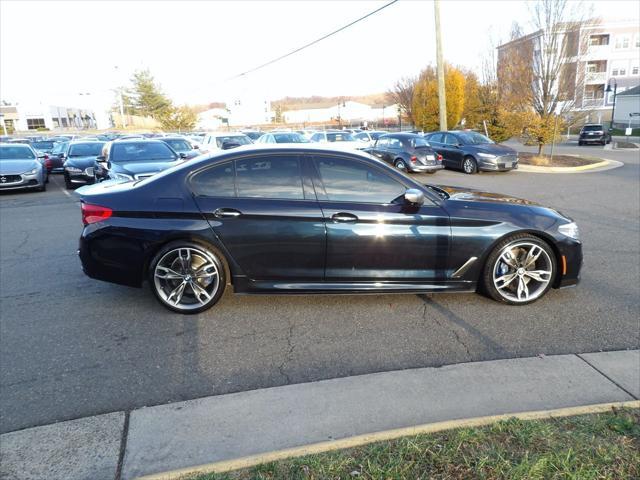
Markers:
<point>344,217</point>
<point>226,213</point>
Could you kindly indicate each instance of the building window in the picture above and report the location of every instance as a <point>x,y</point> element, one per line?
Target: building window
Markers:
<point>622,42</point>
<point>35,123</point>
<point>634,71</point>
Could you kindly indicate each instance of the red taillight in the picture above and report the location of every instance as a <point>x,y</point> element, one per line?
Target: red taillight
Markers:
<point>439,157</point>
<point>414,159</point>
<point>94,213</point>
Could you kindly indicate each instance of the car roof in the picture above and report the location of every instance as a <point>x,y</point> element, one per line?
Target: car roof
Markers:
<point>15,144</point>
<point>136,140</point>
<point>80,140</point>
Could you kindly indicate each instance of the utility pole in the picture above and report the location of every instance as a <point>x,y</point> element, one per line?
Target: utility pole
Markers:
<point>442,99</point>
<point>121,102</point>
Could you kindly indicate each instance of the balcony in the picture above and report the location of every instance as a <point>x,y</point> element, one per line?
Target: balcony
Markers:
<point>596,77</point>
<point>593,102</point>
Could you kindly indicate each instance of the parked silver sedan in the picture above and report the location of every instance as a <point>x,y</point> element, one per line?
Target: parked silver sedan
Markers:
<point>20,168</point>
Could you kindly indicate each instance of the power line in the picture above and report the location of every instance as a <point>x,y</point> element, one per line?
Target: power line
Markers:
<point>313,42</point>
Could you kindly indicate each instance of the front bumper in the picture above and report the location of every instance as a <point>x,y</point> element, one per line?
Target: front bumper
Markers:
<point>30,180</point>
<point>84,177</point>
<point>498,164</point>
<point>424,168</point>
<point>570,263</point>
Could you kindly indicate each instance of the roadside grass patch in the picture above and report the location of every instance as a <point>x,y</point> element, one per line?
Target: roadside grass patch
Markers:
<point>597,446</point>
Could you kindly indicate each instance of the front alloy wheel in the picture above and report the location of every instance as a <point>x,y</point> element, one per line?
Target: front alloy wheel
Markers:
<point>187,277</point>
<point>520,270</point>
<point>469,165</point>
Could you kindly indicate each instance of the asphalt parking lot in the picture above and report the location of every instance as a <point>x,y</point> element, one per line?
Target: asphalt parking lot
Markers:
<point>71,346</point>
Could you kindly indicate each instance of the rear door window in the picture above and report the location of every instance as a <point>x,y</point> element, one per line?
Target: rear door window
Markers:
<point>216,181</point>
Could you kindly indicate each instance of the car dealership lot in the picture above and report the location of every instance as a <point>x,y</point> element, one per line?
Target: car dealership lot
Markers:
<point>72,346</point>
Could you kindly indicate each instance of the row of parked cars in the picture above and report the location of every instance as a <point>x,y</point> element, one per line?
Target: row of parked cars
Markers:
<point>90,159</point>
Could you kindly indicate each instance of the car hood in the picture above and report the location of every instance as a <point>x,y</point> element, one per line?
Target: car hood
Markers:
<point>16,167</point>
<point>80,162</point>
<point>136,168</point>
<point>471,195</point>
<point>494,149</point>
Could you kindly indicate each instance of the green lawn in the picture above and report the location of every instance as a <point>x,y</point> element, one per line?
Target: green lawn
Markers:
<point>620,131</point>
<point>599,446</point>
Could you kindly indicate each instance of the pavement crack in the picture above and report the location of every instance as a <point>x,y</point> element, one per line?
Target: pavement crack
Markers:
<point>287,358</point>
<point>427,301</point>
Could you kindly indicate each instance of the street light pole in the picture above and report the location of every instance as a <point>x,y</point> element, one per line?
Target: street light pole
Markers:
<point>442,99</point>
<point>615,91</point>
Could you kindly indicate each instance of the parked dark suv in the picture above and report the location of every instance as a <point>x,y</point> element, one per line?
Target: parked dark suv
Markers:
<point>594,133</point>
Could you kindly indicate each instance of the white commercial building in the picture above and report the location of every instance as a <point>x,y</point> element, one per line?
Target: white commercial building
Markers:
<point>345,112</point>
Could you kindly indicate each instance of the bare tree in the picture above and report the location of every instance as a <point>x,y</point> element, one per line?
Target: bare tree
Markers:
<point>402,94</point>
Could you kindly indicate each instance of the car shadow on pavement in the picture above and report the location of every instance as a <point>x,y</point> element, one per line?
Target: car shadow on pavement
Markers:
<point>492,345</point>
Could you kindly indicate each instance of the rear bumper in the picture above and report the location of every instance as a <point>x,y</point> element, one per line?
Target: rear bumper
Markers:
<point>99,266</point>
<point>424,168</point>
<point>593,139</point>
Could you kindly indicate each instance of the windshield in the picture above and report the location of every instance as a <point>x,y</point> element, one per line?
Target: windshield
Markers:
<point>473,138</point>
<point>16,153</point>
<point>141,152</point>
<point>178,144</point>
<point>92,149</point>
<point>43,145</point>
<point>340,137</point>
<point>592,128</point>
<point>60,147</point>
<point>419,142</point>
<point>289,138</point>
<point>239,139</point>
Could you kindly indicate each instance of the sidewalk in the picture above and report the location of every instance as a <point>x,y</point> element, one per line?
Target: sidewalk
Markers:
<point>196,432</point>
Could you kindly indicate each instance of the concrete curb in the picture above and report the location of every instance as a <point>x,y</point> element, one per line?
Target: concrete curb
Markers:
<point>594,167</point>
<point>359,440</point>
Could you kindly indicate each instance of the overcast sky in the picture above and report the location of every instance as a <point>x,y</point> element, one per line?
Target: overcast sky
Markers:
<point>53,48</point>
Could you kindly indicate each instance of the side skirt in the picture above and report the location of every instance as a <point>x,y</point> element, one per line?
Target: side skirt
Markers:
<point>245,286</point>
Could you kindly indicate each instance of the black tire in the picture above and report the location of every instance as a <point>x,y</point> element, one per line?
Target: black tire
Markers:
<point>469,165</point>
<point>430,172</point>
<point>492,266</point>
<point>401,165</point>
<point>43,187</point>
<point>580,143</point>
<point>161,289</point>
<point>67,182</point>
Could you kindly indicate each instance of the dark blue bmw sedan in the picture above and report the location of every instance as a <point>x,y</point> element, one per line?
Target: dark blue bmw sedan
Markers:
<point>305,219</point>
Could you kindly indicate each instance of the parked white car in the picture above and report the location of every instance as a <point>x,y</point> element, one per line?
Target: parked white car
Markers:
<point>223,141</point>
<point>368,137</point>
<point>338,139</point>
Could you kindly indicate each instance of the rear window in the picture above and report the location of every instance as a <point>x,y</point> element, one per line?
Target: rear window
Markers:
<point>16,153</point>
<point>340,137</point>
<point>43,145</point>
<point>141,152</point>
<point>289,138</point>
<point>92,149</point>
<point>592,128</point>
<point>178,144</point>
<point>239,139</point>
<point>418,142</point>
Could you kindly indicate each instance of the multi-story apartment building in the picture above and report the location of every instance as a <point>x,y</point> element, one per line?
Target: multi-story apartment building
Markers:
<point>598,54</point>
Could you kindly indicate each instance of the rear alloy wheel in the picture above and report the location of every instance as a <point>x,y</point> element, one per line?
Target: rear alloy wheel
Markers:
<point>187,277</point>
<point>400,165</point>
<point>469,165</point>
<point>520,270</point>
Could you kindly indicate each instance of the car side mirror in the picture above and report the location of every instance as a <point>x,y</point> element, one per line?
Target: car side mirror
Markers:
<point>101,158</point>
<point>414,196</point>
<point>182,155</point>
<point>196,147</point>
